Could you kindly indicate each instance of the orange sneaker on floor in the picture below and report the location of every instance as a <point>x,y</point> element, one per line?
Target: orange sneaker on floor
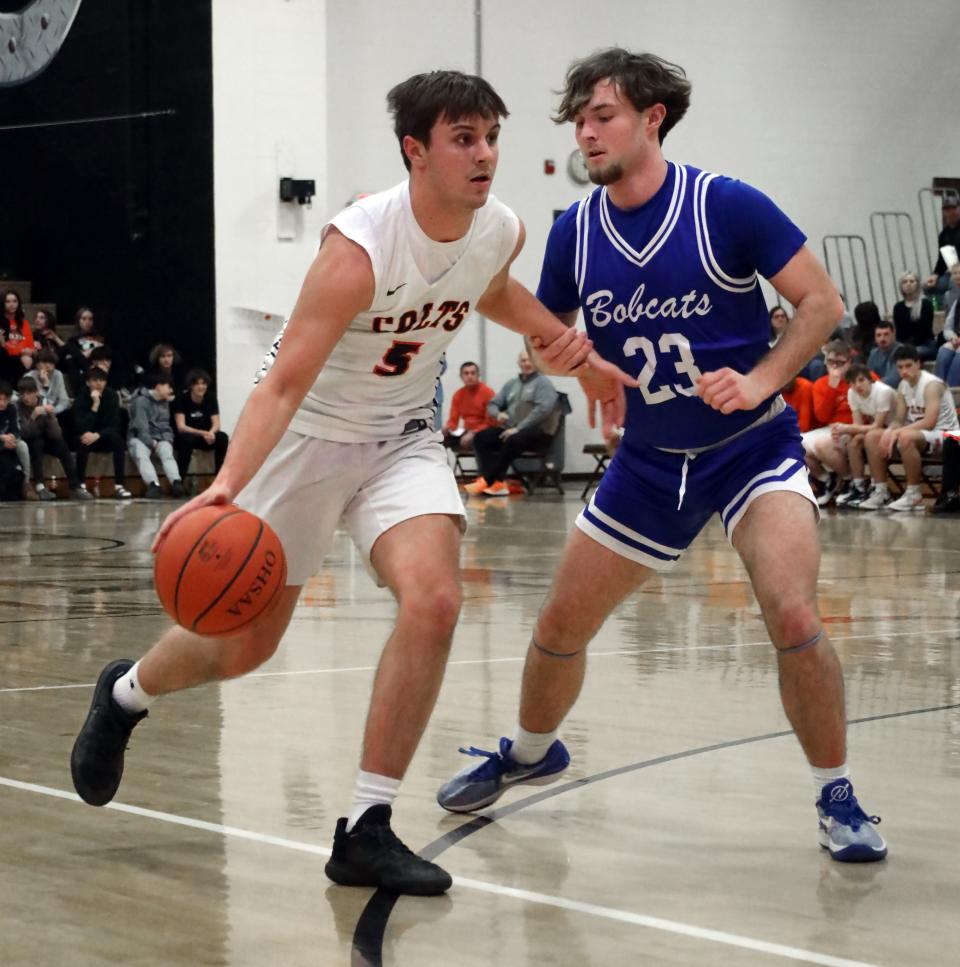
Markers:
<point>497,489</point>
<point>477,487</point>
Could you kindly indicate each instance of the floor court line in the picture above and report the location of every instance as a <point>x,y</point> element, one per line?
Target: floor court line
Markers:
<point>528,896</point>
<point>659,650</point>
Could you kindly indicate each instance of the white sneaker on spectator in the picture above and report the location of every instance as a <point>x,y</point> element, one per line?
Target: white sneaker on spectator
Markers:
<point>121,493</point>
<point>910,500</point>
<point>878,499</point>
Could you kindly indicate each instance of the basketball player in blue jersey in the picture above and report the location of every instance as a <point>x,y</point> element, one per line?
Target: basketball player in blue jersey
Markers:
<point>663,260</point>
<point>339,429</point>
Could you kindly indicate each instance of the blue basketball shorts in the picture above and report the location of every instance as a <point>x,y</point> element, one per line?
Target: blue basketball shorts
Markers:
<point>651,504</point>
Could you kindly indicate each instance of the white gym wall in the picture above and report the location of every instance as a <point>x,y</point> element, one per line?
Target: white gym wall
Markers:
<point>834,109</point>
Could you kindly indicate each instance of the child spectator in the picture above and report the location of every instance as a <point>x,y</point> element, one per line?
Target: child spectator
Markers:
<point>924,411</point>
<point>913,317</point>
<point>164,360</point>
<point>16,336</point>
<point>197,422</point>
<point>873,404</point>
<point>150,432</point>
<point>75,357</point>
<point>96,419</point>
<point>52,388</point>
<point>45,332</point>
<point>11,472</point>
<point>42,434</point>
<point>798,393</point>
<point>830,407</point>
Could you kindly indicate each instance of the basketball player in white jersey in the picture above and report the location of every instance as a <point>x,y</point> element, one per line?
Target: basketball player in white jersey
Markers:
<point>663,260</point>
<point>340,428</point>
<point>925,410</point>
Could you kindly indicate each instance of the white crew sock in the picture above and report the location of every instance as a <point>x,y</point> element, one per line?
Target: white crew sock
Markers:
<point>369,790</point>
<point>913,489</point>
<point>531,747</point>
<point>859,482</point>
<point>129,694</point>
<point>881,488</point>
<point>823,777</point>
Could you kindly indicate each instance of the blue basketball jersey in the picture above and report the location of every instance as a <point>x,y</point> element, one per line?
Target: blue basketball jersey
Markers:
<point>669,291</point>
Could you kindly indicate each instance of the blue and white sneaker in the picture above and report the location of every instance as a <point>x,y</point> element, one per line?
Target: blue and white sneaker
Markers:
<point>477,786</point>
<point>845,829</point>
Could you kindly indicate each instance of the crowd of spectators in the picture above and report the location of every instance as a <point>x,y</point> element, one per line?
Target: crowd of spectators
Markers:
<point>69,399</point>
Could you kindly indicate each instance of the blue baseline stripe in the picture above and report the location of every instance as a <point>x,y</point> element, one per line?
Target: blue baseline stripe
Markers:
<point>789,472</point>
<point>607,529</point>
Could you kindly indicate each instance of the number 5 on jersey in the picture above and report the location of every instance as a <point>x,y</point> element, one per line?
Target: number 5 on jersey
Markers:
<point>396,360</point>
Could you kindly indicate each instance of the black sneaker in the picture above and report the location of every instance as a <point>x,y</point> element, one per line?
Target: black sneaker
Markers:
<point>853,497</point>
<point>96,763</point>
<point>153,492</point>
<point>946,504</point>
<point>372,855</point>
<point>176,489</point>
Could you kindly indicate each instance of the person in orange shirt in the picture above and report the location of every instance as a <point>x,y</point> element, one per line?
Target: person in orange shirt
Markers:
<point>799,394</point>
<point>16,337</point>
<point>469,406</point>
<point>825,462</point>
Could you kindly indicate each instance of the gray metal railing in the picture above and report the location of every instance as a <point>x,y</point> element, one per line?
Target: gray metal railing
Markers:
<point>848,264</point>
<point>895,246</point>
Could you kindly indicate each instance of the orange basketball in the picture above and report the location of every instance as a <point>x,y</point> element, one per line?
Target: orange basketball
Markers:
<point>219,569</point>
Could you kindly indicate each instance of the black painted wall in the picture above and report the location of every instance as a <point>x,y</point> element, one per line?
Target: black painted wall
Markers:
<point>118,215</point>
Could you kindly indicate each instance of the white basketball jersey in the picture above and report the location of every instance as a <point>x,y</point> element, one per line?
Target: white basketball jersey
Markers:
<point>381,377</point>
<point>946,418</point>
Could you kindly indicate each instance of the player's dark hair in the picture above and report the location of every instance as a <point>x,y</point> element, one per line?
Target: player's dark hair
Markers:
<point>856,370</point>
<point>644,79</point>
<point>906,351</point>
<point>420,101</point>
<point>463,366</point>
<point>27,384</point>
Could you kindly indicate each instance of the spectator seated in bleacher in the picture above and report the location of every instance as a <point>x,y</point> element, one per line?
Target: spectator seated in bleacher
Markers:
<point>11,468</point>
<point>948,355</point>
<point>53,388</point>
<point>830,407</point>
<point>880,362</point>
<point>98,427</point>
<point>45,332</point>
<point>75,355</point>
<point>151,433</point>
<point>872,404</point>
<point>41,432</point>
<point>798,393</point>
<point>938,280</point>
<point>866,318</point>
<point>925,409</point>
<point>468,410</point>
<point>948,502</point>
<point>525,415</point>
<point>913,317</point>
<point>16,337</point>
<point>164,360</point>
<point>196,417</point>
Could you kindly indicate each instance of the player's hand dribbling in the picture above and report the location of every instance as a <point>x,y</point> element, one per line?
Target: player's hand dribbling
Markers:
<point>727,390</point>
<point>214,494</point>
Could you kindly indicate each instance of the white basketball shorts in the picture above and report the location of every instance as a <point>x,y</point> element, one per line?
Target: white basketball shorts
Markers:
<point>307,486</point>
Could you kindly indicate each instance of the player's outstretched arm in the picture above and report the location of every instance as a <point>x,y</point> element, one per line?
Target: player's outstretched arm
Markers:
<point>338,285</point>
<point>804,282</point>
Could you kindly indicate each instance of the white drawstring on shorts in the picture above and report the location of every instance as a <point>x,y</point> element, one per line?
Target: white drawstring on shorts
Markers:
<point>687,457</point>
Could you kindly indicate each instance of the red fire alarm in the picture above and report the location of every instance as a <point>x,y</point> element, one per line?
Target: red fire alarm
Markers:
<point>549,167</point>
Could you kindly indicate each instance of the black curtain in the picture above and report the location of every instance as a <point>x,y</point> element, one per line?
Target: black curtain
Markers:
<point>118,214</point>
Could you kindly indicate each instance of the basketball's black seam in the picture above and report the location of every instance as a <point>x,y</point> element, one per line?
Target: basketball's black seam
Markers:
<point>280,586</point>
<point>186,561</point>
<point>229,584</point>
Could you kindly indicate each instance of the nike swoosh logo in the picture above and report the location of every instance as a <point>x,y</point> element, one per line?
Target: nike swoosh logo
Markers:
<point>397,289</point>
